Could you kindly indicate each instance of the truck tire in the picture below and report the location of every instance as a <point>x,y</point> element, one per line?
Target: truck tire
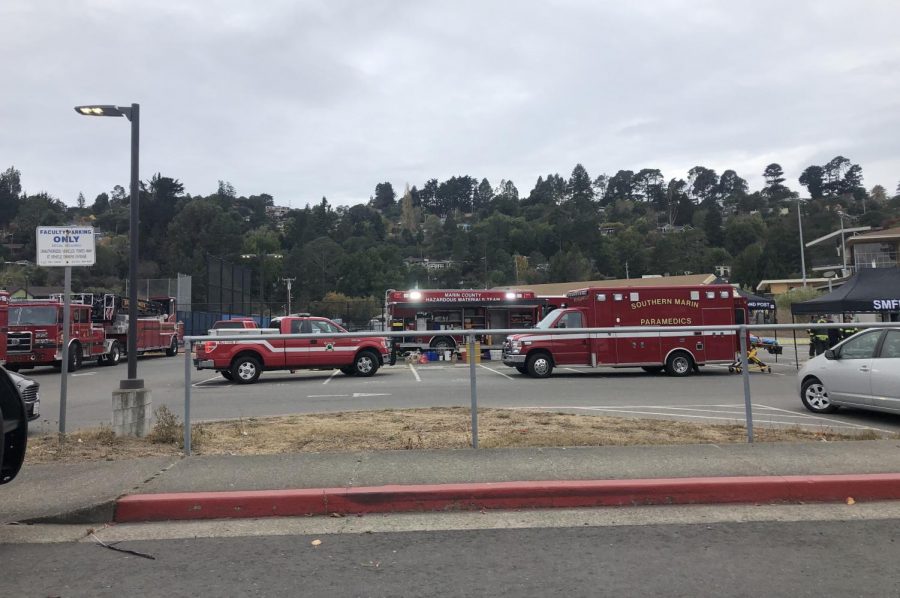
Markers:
<point>114,356</point>
<point>522,369</point>
<point>245,369</point>
<point>349,370</point>
<point>652,369</point>
<point>227,374</point>
<point>679,364</point>
<point>75,357</point>
<point>172,351</point>
<point>365,364</point>
<point>539,365</point>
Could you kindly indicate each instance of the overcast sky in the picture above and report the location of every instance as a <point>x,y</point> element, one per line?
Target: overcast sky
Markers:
<point>304,99</point>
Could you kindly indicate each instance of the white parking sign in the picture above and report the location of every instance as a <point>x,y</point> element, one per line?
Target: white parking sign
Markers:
<point>65,246</point>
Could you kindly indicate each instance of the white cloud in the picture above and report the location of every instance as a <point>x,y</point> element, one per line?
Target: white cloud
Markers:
<point>307,99</point>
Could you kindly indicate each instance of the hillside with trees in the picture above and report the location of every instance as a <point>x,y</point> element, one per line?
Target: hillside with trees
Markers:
<point>473,233</point>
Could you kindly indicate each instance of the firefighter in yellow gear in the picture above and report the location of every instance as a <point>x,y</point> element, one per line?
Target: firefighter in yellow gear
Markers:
<point>820,337</point>
<point>848,329</point>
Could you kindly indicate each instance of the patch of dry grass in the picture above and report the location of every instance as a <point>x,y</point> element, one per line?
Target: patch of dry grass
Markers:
<point>411,429</point>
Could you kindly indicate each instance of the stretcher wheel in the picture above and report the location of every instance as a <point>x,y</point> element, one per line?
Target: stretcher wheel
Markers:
<point>731,369</point>
<point>769,370</point>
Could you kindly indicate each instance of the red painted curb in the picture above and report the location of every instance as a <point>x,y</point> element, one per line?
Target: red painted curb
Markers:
<point>506,495</point>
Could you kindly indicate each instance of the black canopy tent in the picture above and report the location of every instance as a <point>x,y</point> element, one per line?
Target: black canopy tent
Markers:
<point>870,290</point>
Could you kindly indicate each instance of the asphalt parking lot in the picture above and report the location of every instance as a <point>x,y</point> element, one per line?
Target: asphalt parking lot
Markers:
<point>715,396</point>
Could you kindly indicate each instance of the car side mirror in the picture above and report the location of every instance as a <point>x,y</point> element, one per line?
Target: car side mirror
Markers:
<point>830,354</point>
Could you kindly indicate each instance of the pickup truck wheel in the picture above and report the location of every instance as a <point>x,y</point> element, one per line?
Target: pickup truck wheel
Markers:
<point>245,370</point>
<point>349,370</point>
<point>227,374</point>
<point>75,357</point>
<point>652,369</point>
<point>172,351</point>
<point>539,365</point>
<point>522,369</point>
<point>679,364</point>
<point>365,364</point>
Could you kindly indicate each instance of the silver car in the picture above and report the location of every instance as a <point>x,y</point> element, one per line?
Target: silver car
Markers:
<point>862,371</point>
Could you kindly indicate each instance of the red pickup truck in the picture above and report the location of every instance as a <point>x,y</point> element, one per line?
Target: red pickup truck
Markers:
<point>244,360</point>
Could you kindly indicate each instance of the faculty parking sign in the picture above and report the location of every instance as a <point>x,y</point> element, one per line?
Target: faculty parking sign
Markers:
<point>65,246</point>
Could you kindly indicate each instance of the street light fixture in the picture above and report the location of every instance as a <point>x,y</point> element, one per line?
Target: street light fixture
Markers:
<point>133,114</point>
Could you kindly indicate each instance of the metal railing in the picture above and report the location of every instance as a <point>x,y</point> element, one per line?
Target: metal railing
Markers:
<point>742,330</point>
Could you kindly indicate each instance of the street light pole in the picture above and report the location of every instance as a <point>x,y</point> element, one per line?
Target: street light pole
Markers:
<point>843,246</point>
<point>287,311</point>
<point>802,250</point>
<point>133,114</point>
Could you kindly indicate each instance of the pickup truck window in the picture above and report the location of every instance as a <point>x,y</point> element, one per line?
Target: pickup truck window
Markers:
<point>325,327</point>
<point>301,327</point>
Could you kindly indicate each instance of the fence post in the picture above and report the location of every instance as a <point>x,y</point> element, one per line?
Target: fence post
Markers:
<point>187,397</point>
<point>745,374</point>
<point>473,391</point>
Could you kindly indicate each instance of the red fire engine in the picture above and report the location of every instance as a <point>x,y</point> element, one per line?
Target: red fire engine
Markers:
<point>678,352</point>
<point>435,314</point>
<point>98,330</point>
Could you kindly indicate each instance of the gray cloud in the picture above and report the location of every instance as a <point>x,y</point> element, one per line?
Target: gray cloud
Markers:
<point>307,99</point>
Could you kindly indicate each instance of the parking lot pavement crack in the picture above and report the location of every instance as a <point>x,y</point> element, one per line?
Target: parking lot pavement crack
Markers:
<point>143,483</point>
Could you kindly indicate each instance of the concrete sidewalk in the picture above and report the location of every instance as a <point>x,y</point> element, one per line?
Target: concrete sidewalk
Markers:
<point>301,483</point>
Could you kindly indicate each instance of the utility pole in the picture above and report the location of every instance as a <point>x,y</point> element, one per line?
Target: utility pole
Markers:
<point>287,310</point>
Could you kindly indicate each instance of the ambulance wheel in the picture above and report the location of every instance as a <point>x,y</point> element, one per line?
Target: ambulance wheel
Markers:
<point>365,364</point>
<point>114,356</point>
<point>227,374</point>
<point>679,364</point>
<point>75,357</point>
<point>245,369</point>
<point>172,351</point>
<point>522,369</point>
<point>652,369</point>
<point>349,370</point>
<point>539,365</point>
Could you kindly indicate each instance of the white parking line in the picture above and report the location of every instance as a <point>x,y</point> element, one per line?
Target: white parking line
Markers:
<point>788,419</point>
<point>495,371</point>
<point>85,374</point>
<point>196,384</point>
<point>327,380</point>
<point>830,420</point>
<point>415,373</point>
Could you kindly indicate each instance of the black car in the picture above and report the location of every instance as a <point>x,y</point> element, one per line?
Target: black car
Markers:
<point>13,429</point>
<point>29,390</point>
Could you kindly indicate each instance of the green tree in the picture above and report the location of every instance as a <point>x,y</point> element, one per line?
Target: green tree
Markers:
<point>579,189</point>
<point>384,196</point>
<point>813,179</point>
<point>10,195</point>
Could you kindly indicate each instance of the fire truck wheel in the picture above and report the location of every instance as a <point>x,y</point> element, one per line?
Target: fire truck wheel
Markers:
<point>652,369</point>
<point>349,370</point>
<point>522,369</point>
<point>442,343</point>
<point>172,351</point>
<point>365,364</point>
<point>679,364</point>
<point>245,369</point>
<point>539,365</point>
<point>114,356</point>
<point>75,357</point>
